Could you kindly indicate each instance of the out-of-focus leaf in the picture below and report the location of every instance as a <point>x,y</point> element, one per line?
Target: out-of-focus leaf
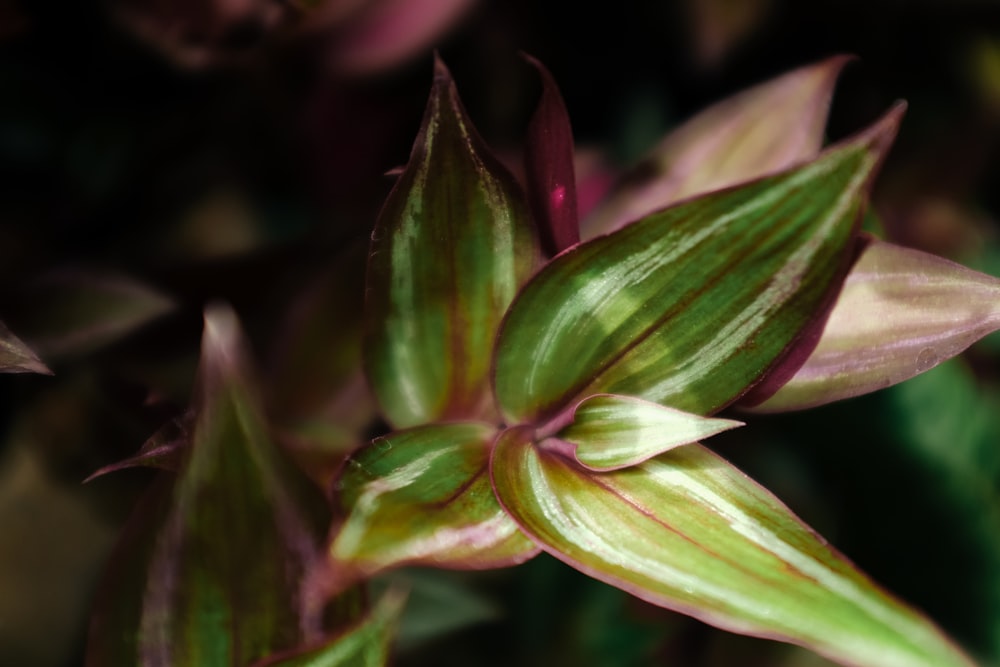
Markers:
<point>451,247</point>
<point>72,313</point>
<point>224,582</point>
<point>387,32</point>
<point>689,532</point>
<point>762,130</point>
<point>164,450</point>
<point>16,357</point>
<point>900,313</point>
<point>423,497</point>
<point>689,306</point>
<point>365,645</point>
<point>549,167</point>
<point>610,432</point>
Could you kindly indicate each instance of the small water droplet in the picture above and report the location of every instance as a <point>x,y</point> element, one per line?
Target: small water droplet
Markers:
<point>927,358</point>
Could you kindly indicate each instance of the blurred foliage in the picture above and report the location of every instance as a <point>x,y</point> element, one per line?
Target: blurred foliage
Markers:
<point>247,180</point>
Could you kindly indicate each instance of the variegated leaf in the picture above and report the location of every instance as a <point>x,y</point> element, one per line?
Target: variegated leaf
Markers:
<point>690,306</point>
<point>762,130</point>
<point>901,312</point>
<point>422,497</point>
<point>451,247</point>
<point>609,432</point>
<point>689,532</point>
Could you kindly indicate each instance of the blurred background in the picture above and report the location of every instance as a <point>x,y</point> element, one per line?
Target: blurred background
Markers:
<point>156,155</point>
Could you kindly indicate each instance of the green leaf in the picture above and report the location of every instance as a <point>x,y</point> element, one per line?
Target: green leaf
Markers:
<point>451,247</point>
<point>224,582</point>
<point>16,357</point>
<point>689,532</point>
<point>765,129</point>
<point>901,312</point>
<point>422,497</point>
<point>690,306</point>
<point>365,645</point>
<point>610,432</point>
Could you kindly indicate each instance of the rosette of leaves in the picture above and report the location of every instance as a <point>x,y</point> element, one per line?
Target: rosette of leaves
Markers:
<point>547,394</point>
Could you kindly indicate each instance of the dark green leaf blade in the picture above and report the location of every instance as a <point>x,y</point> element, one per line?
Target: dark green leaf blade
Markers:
<point>422,497</point>
<point>690,306</point>
<point>451,247</point>
<point>225,578</point>
<point>689,532</point>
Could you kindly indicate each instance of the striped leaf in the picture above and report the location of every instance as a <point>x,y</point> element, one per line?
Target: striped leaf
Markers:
<point>765,129</point>
<point>241,530</point>
<point>610,432</point>
<point>365,645</point>
<point>901,312</point>
<point>689,306</point>
<point>451,247</point>
<point>422,497</point>
<point>16,357</point>
<point>689,532</point>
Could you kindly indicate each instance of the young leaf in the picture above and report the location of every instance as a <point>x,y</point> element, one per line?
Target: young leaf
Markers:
<point>689,532</point>
<point>549,167</point>
<point>689,306</point>
<point>164,450</point>
<point>765,129</point>
<point>224,580</point>
<point>16,357</point>
<point>451,247</point>
<point>365,645</point>
<point>901,312</point>
<point>422,497</point>
<point>610,432</point>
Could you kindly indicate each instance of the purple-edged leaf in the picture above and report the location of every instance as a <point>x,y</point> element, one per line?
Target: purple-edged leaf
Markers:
<point>75,312</point>
<point>762,130</point>
<point>16,357</point>
<point>224,580</point>
<point>901,312</point>
<point>689,532</point>
<point>451,247</point>
<point>423,497</point>
<point>163,450</point>
<point>610,432</point>
<point>689,306</point>
<point>549,167</point>
<point>367,644</point>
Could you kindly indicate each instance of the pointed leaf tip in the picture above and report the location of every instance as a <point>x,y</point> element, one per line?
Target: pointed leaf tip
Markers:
<point>16,357</point>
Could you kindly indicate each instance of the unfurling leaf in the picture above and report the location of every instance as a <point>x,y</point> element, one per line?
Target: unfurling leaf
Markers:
<point>365,645</point>
<point>551,175</point>
<point>765,129</point>
<point>423,497</point>
<point>689,306</point>
<point>242,527</point>
<point>901,312</point>
<point>16,357</point>
<point>451,247</point>
<point>689,532</point>
<point>610,432</point>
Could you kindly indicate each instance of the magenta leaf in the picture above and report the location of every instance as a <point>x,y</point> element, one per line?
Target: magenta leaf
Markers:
<point>163,450</point>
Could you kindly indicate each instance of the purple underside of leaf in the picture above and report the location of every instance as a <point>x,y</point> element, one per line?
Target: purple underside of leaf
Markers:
<point>164,450</point>
<point>16,357</point>
<point>900,313</point>
<point>422,497</point>
<point>549,167</point>
<point>762,130</point>
<point>452,245</point>
<point>693,305</point>
<point>689,532</point>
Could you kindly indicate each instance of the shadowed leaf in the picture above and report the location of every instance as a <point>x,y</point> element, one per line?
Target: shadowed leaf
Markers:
<point>765,129</point>
<point>16,357</point>
<point>690,306</point>
<point>423,497</point>
<point>689,532</point>
<point>164,450</point>
<point>549,167</point>
<point>451,247</point>
<point>901,312</point>
<point>610,432</point>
